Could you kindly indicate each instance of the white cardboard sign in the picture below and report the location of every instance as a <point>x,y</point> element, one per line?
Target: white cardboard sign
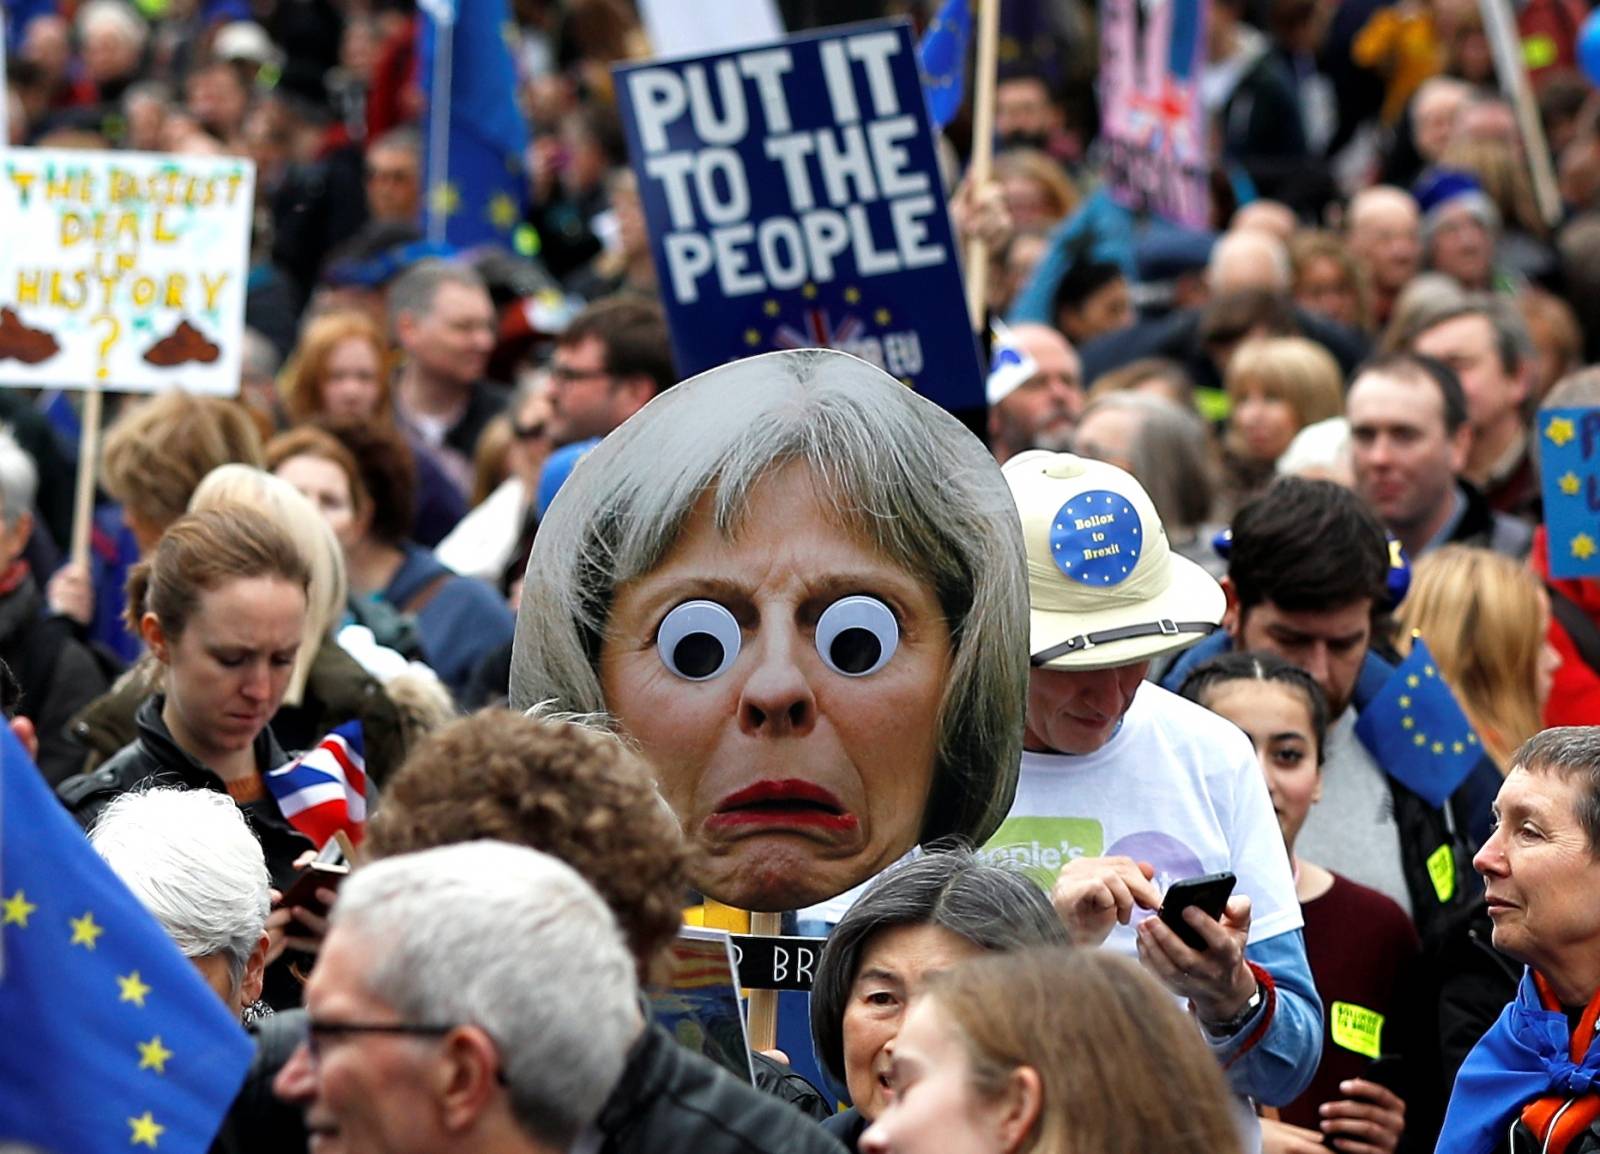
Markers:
<point>123,271</point>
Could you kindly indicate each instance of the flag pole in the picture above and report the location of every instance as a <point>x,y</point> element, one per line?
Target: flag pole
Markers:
<point>442,13</point>
<point>1505,46</point>
<point>983,82</point>
<point>5,105</point>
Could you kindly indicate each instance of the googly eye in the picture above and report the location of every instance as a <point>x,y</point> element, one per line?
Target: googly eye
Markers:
<point>857,636</point>
<point>698,640</point>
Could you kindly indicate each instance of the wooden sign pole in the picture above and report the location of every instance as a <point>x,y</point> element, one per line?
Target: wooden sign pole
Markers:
<point>983,82</point>
<point>763,1023</point>
<point>88,470</point>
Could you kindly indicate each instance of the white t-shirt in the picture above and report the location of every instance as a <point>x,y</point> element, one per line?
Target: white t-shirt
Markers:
<point>1176,786</point>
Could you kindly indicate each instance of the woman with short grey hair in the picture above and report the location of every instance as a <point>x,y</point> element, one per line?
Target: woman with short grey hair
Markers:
<point>820,505</point>
<point>916,920</point>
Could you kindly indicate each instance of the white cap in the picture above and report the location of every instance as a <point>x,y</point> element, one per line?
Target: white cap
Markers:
<point>1009,366</point>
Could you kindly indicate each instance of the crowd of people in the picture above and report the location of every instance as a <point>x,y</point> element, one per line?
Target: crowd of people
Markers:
<point>1143,628</point>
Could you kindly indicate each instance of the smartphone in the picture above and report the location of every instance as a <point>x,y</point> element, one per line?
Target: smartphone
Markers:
<point>1209,893</point>
<point>326,871</point>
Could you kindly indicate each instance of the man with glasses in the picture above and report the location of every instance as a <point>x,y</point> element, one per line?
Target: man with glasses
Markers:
<point>476,997</point>
<point>614,356</point>
<point>394,177</point>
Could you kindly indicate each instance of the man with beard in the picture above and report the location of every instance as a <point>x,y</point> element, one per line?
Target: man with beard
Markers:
<point>1035,394</point>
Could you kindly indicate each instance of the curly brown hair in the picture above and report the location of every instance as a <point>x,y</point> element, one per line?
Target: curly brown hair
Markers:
<point>572,792</point>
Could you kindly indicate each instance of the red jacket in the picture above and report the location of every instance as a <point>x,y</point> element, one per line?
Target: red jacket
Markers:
<point>1575,696</point>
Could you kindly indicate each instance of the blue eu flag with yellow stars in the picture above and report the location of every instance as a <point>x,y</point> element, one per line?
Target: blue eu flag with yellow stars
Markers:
<point>1415,729</point>
<point>109,1038</point>
<point>942,58</point>
<point>474,134</point>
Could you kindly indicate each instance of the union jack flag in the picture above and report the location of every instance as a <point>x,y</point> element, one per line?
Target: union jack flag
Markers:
<point>325,789</point>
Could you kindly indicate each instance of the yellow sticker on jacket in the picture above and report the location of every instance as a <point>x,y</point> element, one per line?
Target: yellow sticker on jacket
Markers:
<point>1356,1028</point>
<point>1442,873</point>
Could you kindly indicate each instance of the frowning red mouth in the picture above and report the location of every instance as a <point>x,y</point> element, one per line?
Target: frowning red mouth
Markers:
<point>792,804</point>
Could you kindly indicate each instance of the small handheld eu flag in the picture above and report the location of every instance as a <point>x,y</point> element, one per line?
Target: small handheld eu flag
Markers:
<point>1416,730</point>
<point>109,1038</point>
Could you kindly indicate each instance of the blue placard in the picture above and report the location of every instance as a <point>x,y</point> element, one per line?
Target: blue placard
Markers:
<point>1569,460</point>
<point>794,200</point>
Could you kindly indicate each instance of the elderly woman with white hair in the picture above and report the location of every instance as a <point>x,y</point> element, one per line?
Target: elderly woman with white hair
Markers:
<point>191,859</point>
<point>57,672</point>
<point>798,587</point>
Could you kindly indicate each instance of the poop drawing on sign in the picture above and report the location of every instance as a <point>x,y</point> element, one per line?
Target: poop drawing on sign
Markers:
<point>20,342</point>
<point>183,345</point>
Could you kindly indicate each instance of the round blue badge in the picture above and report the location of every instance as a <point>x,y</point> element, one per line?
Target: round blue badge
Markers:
<point>1095,538</point>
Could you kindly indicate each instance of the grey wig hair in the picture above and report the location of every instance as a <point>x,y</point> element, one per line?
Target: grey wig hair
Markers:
<point>994,907</point>
<point>900,471</point>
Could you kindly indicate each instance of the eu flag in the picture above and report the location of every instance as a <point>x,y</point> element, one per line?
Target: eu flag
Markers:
<point>1415,729</point>
<point>109,1039</point>
<point>474,132</point>
<point>942,58</point>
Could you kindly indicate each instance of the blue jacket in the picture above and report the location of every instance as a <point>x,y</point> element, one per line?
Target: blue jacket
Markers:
<point>460,620</point>
<point>1277,1067</point>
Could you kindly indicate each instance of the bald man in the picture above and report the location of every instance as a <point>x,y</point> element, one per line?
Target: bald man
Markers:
<point>1247,259</point>
<point>1042,411</point>
<point>1385,234</point>
<point>1269,216</point>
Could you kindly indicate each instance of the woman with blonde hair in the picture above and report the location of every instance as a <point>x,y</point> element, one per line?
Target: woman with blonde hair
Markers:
<point>1276,386</point>
<point>1038,192</point>
<point>1051,1051</point>
<point>1485,619</point>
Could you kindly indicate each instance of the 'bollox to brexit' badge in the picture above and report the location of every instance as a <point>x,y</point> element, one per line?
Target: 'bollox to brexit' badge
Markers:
<point>1095,538</point>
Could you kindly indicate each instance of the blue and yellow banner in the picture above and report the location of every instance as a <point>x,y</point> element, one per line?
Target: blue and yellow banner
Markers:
<point>1569,459</point>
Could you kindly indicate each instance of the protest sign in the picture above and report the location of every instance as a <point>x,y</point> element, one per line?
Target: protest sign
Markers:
<point>699,1005</point>
<point>122,270</point>
<point>794,200</point>
<point>776,963</point>
<point>1152,121</point>
<point>1569,460</point>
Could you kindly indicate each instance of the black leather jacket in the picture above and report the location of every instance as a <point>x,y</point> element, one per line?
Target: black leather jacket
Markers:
<point>154,759</point>
<point>671,1099</point>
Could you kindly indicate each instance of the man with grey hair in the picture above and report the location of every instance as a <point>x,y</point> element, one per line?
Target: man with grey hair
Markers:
<point>1486,342</point>
<point>444,321</point>
<point>114,36</point>
<point>58,673</point>
<point>188,855</point>
<point>475,997</point>
<point>394,177</point>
